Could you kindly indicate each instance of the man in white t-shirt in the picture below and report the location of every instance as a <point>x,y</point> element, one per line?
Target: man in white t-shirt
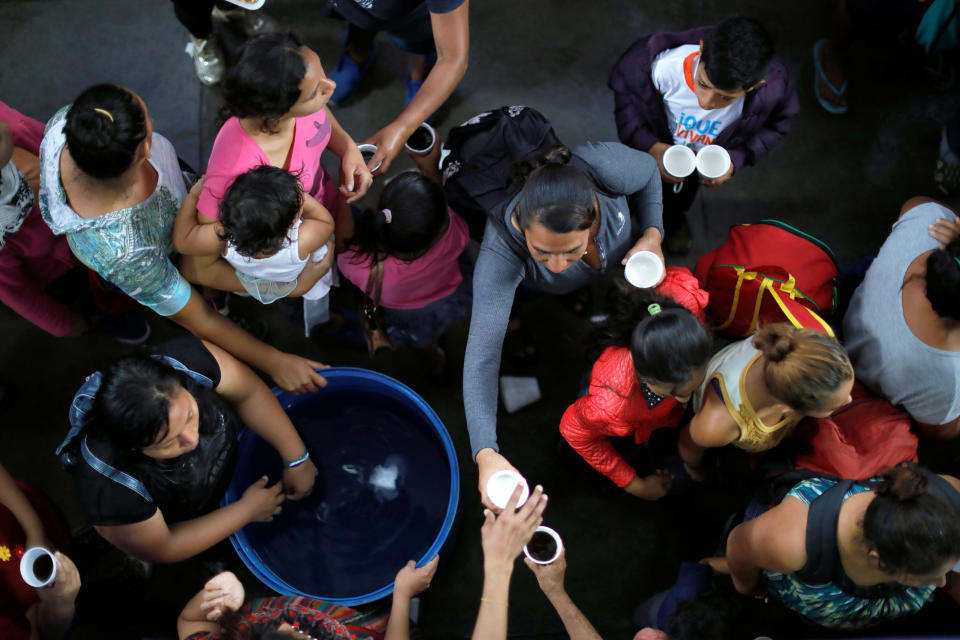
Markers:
<point>714,85</point>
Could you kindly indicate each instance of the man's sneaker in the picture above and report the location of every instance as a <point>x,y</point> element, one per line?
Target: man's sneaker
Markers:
<point>128,328</point>
<point>207,59</point>
<point>349,74</point>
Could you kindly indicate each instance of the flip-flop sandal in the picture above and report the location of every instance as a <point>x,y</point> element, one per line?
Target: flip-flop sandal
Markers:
<point>819,75</point>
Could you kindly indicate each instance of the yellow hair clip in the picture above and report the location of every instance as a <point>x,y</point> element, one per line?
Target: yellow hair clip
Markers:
<point>104,112</point>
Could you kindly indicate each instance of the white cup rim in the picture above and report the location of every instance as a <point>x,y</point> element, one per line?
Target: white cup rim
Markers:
<point>433,140</point>
<point>495,497</point>
<point>553,534</point>
<point>688,152</point>
<point>644,256</point>
<point>712,148</point>
<point>26,566</point>
<point>370,148</point>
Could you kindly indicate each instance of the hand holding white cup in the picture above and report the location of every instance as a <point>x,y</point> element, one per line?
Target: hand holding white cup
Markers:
<point>38,566</point>
<point>500,487</point>
<point>713,162</point>
<point>644,270</point>
<point>544,547</point>
<point>679,161</point>
<point>421,141</point>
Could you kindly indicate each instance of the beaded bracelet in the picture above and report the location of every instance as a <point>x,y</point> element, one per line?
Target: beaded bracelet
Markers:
<point>299,461</point>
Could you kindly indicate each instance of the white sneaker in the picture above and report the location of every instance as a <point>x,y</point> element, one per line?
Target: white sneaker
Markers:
<point>207,59</point>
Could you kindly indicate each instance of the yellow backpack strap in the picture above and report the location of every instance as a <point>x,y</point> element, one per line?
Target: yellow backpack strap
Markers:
<point>765,285</point>
<point>793,319</point>
<point>742,274</point>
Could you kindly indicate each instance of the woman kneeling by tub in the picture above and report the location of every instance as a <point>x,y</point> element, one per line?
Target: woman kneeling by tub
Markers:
<point>153,444</point>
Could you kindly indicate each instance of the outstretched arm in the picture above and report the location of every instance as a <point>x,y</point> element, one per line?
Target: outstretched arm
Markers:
<point>258,408</point>
<point>292,373</point>
<point>550,579</point>
<point>355,178</point>
<point>154,540</point>
<point>52,616</point>
<point>451,33</point>
<point>409,582</point>
<point>503,538</point>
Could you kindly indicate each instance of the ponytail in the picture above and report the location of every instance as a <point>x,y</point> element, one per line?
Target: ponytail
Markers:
<point>104,128</point>
<point>913,531</point>
<point>559,196</point>
<point>667,342</point>
<point>411,215</point>
<point>803,367</point>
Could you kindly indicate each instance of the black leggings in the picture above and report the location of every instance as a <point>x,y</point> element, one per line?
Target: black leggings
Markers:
<point>195,16</point>
<point>675,205</point>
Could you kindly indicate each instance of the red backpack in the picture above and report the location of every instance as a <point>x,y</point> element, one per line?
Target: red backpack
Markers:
<point>769,272</point>
<point>859,440</point>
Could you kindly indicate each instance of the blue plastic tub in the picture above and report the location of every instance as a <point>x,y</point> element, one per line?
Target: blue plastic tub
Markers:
<point>387,491</point>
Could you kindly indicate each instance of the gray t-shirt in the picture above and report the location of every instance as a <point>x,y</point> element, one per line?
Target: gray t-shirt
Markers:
<point>886,355</point>
<point>505,263</point>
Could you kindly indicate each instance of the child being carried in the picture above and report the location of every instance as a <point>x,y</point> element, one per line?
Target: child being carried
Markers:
<point>269,230</point>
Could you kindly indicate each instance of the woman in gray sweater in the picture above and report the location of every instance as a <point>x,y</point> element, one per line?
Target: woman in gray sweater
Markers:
<point>577,216</point>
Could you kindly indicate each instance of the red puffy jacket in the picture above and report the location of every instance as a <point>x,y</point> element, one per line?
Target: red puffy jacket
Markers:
<point>614,406</point>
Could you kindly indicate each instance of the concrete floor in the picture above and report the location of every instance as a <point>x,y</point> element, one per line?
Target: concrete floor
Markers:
<point>840,178</point>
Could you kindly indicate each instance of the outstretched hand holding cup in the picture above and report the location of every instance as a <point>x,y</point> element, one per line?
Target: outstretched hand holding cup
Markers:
<point>504,536</point>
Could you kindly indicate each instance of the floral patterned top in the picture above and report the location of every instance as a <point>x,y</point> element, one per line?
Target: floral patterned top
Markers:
<point>129,248</point>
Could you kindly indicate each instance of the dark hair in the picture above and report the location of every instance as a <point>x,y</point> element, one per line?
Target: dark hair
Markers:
<point>418,214</point>
<point>666,347</point>
<point>560,197</point>
<point>265,81</point>
<point>259,208</point>
<point>913,531</point>
<point>736,54</point>
<point>103,146</point>
<point>132,406</point>
<point>943,280</point>
<point>711,616</point>
<point>236,626</point>
<point>803,367</point>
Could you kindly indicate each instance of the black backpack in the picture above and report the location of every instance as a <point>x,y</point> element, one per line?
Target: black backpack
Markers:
<point>478,157</point>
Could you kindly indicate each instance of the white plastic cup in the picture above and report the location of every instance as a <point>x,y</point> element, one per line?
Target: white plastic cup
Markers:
<point>713,161</point>
<point>679,161</point>
<point>500,487</point>
<point>644,270</point>
<point>429,134</point>
<point>28,567</point>
<point>556,538</point>
<point>368,151</point>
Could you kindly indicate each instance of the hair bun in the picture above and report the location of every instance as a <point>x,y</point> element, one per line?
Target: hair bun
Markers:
<point>903,483</point>
<point>776,341</point>
<point>557,154</point>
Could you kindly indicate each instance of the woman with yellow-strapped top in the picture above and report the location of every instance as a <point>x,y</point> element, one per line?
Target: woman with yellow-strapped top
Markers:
<point>756,390</point>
